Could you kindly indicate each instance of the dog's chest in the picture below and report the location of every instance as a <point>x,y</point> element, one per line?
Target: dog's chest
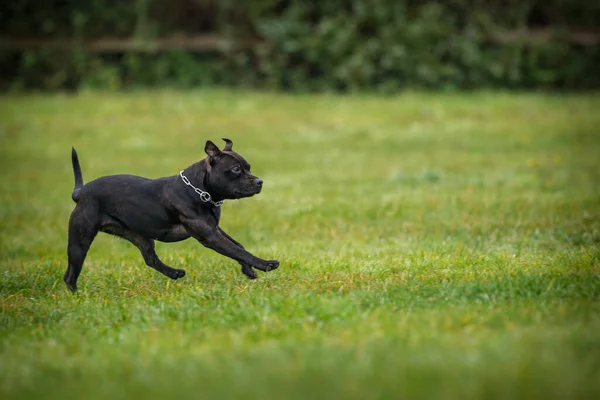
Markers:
<point>174,234</point>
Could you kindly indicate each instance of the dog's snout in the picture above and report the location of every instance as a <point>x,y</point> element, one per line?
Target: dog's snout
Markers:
<point>259,182</point>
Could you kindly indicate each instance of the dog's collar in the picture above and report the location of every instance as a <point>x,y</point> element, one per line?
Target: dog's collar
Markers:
<point>204,196</point>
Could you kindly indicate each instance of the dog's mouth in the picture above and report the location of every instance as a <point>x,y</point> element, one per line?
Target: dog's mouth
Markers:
<point>246,193</point>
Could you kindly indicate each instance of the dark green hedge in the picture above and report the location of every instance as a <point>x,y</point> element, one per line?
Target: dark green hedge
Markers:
<point>315,45</point>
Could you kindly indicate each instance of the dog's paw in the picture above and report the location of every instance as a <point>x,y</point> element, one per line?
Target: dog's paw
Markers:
<point>176,273</point>
<point>248,271</point>
<point>72,288</point>
<point>267,265</point>
<point>271,265</point>
<point>180,273</point>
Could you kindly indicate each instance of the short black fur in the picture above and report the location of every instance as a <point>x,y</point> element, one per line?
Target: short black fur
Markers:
<point>143,210</point>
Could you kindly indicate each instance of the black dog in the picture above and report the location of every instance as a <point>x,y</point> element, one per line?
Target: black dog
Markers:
<point>168,209</point>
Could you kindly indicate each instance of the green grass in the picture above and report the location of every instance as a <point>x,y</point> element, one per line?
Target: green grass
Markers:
<point>432,246</point>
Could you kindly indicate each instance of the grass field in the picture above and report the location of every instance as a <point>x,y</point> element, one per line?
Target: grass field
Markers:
<point>432,246</point>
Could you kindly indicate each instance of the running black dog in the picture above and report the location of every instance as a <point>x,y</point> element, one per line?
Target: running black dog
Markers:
<point>168,209</point>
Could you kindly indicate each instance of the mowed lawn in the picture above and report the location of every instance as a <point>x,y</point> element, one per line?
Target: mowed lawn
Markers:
<point>431,245</point>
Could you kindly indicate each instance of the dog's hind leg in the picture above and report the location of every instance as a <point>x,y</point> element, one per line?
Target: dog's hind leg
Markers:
<point>82,231</point>
<point>146,247</point>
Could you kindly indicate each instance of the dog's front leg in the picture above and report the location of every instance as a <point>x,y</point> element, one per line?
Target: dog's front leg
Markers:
<point>246,269</point>
<point>215,238</point>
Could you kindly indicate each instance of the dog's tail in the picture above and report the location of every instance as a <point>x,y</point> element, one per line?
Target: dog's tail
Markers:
<point>78,176</point>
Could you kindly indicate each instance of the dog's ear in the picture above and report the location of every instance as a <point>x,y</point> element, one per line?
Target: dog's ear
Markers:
<point>211,149</point>
<point>228,145</point>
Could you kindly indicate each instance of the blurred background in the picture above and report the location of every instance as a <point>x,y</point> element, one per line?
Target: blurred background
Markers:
<point>300,45</point>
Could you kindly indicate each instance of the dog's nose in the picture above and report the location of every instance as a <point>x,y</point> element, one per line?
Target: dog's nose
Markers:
<point>259,182</point>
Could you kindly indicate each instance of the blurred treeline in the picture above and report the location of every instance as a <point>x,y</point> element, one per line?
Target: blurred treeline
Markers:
<point>300,45</point>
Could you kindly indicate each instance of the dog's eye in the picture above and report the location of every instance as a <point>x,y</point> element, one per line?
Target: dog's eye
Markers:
<point>236,170</point>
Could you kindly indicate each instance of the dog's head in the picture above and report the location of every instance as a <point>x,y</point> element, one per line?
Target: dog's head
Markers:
<point>228,173</point>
